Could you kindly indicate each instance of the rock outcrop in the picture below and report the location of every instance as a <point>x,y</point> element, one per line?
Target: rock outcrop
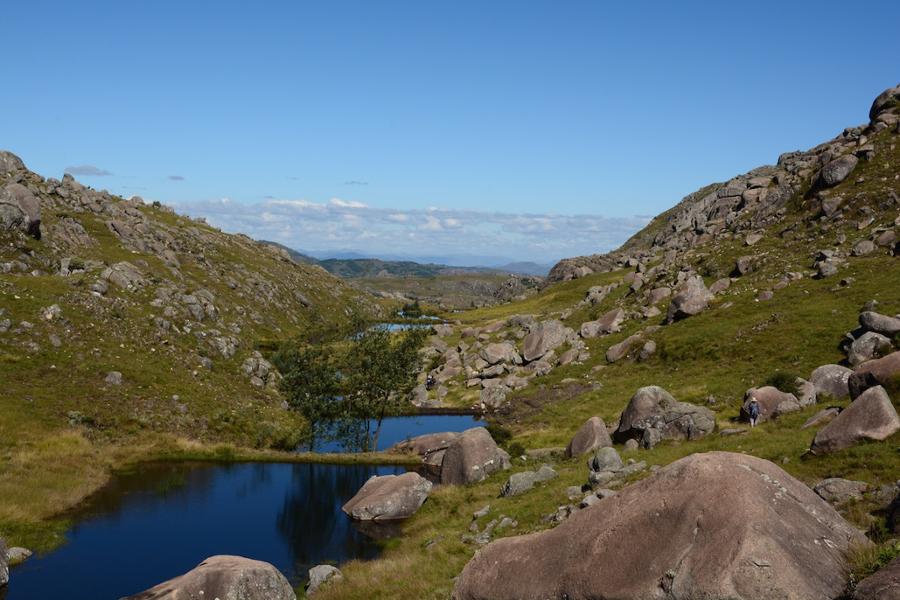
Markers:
<point>870,417</point>
<point>714,525</point>
<point>590,436</point>
<point>224,577</point>
<point>880,371</point>
<point>389,497</point>
<point>471,457</point>
<point>884,584</point>
<point>653,415</point>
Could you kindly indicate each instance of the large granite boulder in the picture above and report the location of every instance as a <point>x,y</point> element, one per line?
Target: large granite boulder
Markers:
<point>772,403</point>
<point>837,170</point>
<point>887,100</point>
<point>319,575</point>
<point>870,417</point>
<point>868,346</point>
<point>471,457</point>
<point>713,525</point>
<point>500,352</point>
<point>10,163</point>
<point>544,337</point>
<point>519,483</point>
<point>20,210</point>
<point>617,352</point>
<point>431,447</point>
<point>590,436</point>
<point>224,577</point>
<point>831,380</point>
<point>389,497</point>
<point>692,298</point>
<point>884,584</point>
<point>653,415</point>
<point>883,324</point>
<point>611,322</point>
<point>883,371</point>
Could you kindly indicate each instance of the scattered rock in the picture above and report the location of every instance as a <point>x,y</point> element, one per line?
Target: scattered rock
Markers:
<point>837,170</point>
<point>831,381</point>
<point>225,577</point>
<point>611,322</point>
<point>884,584</point>
<point>772,403</point>
<point>113,378</point>
<point>691,299</point>
<point>388,497</point>
<point>546,336</point>
<point>320,575</point>
<point>20,210</point>
<point>862,248</point>
<point>494,396</point>
<point>882,324</point>
<point>837,491</point>
<point>870,417</point>
<point>879,371</point>
<point>617,352</point>
<point>590,436</point>
<point>653,414</point>
<point>868,346</point>
<point>519,483</point>
<point>471,457</point>
<point>502,352</point>
<point>820,418</point>
<point>711,525</point>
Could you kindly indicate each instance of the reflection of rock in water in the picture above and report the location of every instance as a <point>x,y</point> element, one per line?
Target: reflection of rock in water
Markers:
<point>311,521</point>
<point>379,531</point>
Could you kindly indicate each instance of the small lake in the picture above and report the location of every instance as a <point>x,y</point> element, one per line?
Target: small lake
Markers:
<point>165,518</point>
<point>397,429</point>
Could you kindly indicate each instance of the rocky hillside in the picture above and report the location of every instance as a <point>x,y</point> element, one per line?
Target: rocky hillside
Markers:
<point>119,317</point>
<point>799,182</point>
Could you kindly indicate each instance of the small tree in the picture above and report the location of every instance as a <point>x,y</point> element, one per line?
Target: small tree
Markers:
<point>311,384</point>
<point>380,372</point>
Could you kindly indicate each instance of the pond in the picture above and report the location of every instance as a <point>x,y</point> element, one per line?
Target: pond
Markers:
<point>397,429</point>
<point>164,519</point>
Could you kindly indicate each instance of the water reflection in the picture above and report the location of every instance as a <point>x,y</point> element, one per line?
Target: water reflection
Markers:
<point>163,519</point>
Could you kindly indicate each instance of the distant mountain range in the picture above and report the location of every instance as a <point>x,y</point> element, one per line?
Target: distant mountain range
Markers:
<point>353,264</point>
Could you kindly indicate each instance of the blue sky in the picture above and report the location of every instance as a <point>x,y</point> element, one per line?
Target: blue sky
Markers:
<point>528,129</point>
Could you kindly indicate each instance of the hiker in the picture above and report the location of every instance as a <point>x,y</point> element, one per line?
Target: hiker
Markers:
<point>753,409</point>
<point>429,382</point>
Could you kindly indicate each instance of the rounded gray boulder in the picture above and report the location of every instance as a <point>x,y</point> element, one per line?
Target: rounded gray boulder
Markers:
<point>870,417</point>
<point>389,497</point>
<point>590,436</point>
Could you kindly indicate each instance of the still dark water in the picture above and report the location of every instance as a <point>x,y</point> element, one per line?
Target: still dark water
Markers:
<point>164,519</point>
<point>397,429</point>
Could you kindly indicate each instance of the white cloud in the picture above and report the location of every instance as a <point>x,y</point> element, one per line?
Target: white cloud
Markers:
<point>349,225</point>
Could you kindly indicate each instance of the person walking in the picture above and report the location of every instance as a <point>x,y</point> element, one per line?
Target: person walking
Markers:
<point>753,410</point>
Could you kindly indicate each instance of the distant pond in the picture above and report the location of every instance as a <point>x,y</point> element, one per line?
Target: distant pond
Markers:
<point>164,518</point>
<point>397,429</point>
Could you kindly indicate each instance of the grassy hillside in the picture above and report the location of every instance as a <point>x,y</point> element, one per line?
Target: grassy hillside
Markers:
<point>710,359</point>
<point>182,310</point>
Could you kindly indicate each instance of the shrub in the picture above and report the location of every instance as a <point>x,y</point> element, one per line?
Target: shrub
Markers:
<point>784,381</point>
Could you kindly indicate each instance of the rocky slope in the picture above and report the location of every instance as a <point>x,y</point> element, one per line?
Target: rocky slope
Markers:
<point>759,199</point>
<point>148,320</point>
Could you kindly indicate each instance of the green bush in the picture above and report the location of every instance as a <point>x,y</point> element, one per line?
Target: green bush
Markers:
<point>500,434</point>
<point>784,381</point>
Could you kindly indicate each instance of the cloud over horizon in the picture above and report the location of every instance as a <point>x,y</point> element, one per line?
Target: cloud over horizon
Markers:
<point>87,170</point>
<point>341,224</point>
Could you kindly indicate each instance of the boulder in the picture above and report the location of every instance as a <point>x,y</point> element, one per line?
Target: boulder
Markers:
<point>870,417</point>
<point>225,577</point>
<point>10,163</point>
<point>862,248</point>
<point>653,414</point>
<point>590,436</point>
<point>837,491</point>
<point>494,396</point>
<point>20,210</point>
<point>713,525</point>
<point>772,403</point>
<point>879,371</point>
<point>546,336</point>
<point>720,285</point>
<point>388,497</point>
<point>502,352</point>
<point>321,574</point>
<point>872,321</point>
<point>806,392</point>
<point>837,170</point>
<point>519,483</point>
<point>617,352</point>
<point>868,346</point>
<point>659,294</point>
<point>605,459</point>
<point>611,322</point>
<point>887,100</point>
<point>743,265</point>
<point>431,447</point>
<point>884,584</point>
<point>472,457</point>
<point>831,380</point>
<point>691,299</point>
<point>820,418</point>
